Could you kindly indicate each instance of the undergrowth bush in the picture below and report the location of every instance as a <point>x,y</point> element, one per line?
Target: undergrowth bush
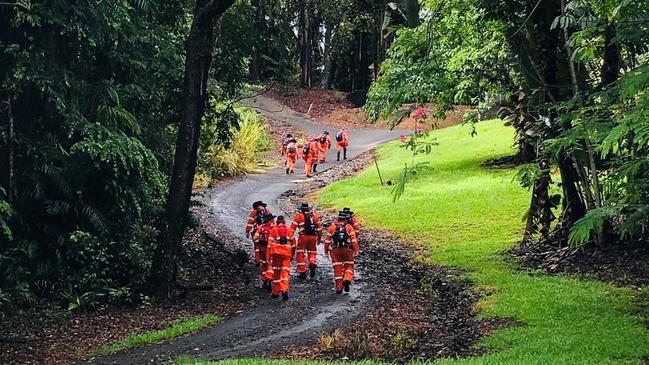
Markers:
<point>242,153</point>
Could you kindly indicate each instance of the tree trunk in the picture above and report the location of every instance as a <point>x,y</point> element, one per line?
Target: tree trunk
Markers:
<point>573,205</point>
<point>377,40</point>
<point>358,84</point>
<point>303,43</point>
<point>326,74</point>
<point>255,62</point>
<point>412,13</point>
<point>540,215</point>
<point>11,188</point>
<point>308,65</point>
<point>566,38</point>
<point>315,41</point>
<point>611,61</point>
<point>198,47</point>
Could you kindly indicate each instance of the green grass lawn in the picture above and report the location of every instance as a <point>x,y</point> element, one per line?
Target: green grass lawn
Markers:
<point>467,214</point>
<point>175,329</point>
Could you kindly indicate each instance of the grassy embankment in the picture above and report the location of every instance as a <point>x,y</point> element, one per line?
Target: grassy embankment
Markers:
<point>467,215</point>
<point>175,329</point>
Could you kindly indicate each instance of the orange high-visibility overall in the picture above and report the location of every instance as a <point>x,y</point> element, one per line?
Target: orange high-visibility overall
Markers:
<point>291,157</point>
<point>261,243</point>
<point>280,256</point>
<point>251,226</point>
<point>309,159</point>
<point>322,149</point>
<point>356,224</point>
<point>307,244</point>
<point>340,145</point>
<point>342,257</point>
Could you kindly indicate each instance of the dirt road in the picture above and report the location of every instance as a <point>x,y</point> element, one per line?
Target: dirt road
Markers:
<point>313,308</point>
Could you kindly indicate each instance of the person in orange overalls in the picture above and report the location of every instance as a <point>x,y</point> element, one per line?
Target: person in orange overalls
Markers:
<point>261,236</point>
<point>309,231</point>
<point>309,155</point>
<point>342,247</point>
<point>342,142</point>
<point>315,153</point>
<point>285,141</point>
<point>259,210</point>
<point>291,156</point>
<point>353,220</point>
<point>280,253</point>
<point>328,137</point>
<point>323,147</point>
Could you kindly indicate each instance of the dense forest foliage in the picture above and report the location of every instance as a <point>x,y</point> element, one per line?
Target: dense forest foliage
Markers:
<point>91,100</point>
<point>90,103</point>
<point>571,77</point>
<point>89,95</point>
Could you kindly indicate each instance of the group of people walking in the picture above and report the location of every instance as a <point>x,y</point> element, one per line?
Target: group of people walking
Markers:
<point>313,151</point>
<point>278,244</point>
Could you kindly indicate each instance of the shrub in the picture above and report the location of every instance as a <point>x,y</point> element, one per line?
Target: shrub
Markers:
<point>242,154</point>
<point>94,272</point>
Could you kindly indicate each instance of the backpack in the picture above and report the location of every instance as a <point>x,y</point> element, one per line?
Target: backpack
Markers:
<point>309,225</point>
<point>350,220</point>
<point>323,139</point>
<point>306,149</point>
<point>340,236</point>
<point>291,148</point>
<point>265,232</point>
<point>283,239</point>
<point>339,136</point>
<point>260,215</point>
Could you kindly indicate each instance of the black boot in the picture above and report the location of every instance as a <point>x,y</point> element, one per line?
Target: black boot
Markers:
<point>312,271</point>
<point>315,167</point>
<point>346,284</point>
<point>345,154</point>
<point>287,171</point>
<point>302,275</point>
<point>338,156</point>
<point>284,296</point>
<point>339,291</point>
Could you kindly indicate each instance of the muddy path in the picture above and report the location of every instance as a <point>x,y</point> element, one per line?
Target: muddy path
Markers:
<point>313,308</point>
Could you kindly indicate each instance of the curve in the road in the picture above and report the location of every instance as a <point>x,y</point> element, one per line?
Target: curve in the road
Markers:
<point>313,308</point>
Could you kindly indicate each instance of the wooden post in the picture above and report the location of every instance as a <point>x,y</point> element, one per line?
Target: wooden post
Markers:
<point>377,170</point>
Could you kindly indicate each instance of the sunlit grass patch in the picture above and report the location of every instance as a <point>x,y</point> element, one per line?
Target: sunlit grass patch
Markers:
<point>175,329</point>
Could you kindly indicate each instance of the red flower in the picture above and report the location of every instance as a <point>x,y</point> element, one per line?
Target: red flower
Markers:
<point>403,138</point>
<point>419,113</point>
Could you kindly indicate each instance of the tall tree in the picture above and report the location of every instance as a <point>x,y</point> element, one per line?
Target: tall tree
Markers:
<point>411,12</point>
<point>260,28</point>
<point>198,47</point>
<point>305,43</point>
